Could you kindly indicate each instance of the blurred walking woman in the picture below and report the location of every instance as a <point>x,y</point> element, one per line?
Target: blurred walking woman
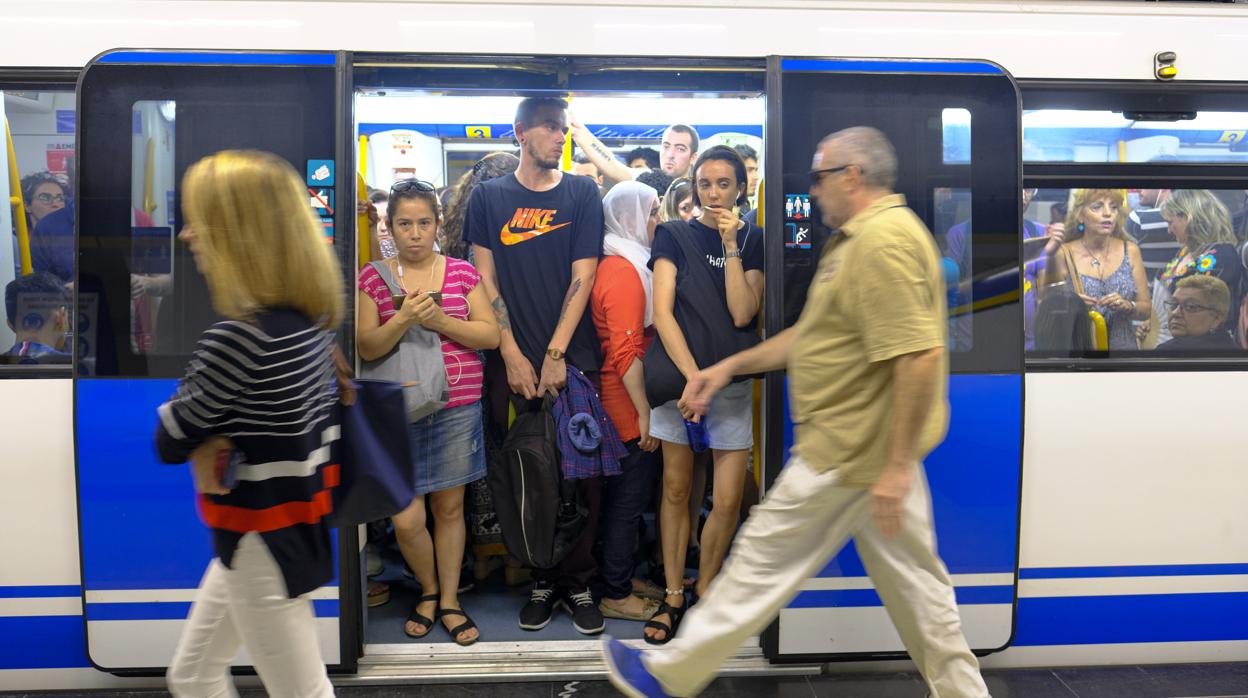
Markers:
<point>442,294</point>
<point>255,415</point>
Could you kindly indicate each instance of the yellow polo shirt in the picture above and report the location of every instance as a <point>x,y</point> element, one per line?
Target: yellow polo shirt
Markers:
<point>878,293</point>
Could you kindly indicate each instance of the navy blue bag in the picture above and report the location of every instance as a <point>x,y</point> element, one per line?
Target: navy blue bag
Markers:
<point>378,479</point>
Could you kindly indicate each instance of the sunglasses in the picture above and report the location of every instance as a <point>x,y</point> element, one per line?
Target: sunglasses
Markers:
<point>405,185</point>
<point>816,176</point>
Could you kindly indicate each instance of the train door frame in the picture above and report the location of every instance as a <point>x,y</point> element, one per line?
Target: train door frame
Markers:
<point>1000,286</point>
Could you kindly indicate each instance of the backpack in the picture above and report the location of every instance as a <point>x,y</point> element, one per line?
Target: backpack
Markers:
<point>541,514</point>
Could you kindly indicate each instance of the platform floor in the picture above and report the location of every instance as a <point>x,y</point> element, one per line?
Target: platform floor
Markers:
<point>1156,681</point>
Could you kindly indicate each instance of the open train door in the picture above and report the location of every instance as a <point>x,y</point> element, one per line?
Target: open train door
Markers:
<point>955,125</point>
<point>144,118</point>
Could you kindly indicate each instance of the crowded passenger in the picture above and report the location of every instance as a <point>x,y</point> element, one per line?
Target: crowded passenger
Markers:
<point>621,305</point>
<point>536,238</point>
<point>730,251</point>
<point>442,295</point>
<point>1147,226</point>
<point>656,180</point>
<point>581,165</point>
<point>43,193</point>
<point>490,167</point>
<point>678,202</point>
<point>1104,267</point>
<point>642,158</point>
<point>36,307</point>
<point>1199,309</point>
<point>750,157</point>
<point>50,224</point>
<point>270,273</point>
<point>1201,227</point>
<point>678,150</point>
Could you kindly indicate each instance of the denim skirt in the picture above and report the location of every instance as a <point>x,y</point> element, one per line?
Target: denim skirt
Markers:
<point>448,448</point>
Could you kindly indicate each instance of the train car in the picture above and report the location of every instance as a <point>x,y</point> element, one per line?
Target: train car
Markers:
<point>1087,499</point>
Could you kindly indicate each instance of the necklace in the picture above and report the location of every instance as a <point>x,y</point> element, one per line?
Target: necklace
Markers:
<point>433,269</point>
<point>1096,261</point>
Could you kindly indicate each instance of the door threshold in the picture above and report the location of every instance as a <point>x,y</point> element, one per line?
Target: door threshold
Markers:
<point>550,660</point>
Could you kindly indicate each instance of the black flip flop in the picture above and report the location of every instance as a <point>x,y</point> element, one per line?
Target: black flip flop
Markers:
<point>466,625</point>
<point>415,617</point>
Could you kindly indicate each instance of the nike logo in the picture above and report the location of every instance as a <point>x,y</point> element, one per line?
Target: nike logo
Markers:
<point>536,220</point>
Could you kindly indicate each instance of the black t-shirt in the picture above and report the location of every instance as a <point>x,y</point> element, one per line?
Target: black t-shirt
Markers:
<point>535,236</point>
<point>749,243</point>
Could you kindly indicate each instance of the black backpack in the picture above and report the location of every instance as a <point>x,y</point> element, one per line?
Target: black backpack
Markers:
<point>541,514</point>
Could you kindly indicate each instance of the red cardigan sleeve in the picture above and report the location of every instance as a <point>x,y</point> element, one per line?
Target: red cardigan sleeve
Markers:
<point>619,310</point>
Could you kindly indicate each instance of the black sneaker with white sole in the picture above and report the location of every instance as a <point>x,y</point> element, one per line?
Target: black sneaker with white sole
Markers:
<point>537,612</point>
<point>579,603</point>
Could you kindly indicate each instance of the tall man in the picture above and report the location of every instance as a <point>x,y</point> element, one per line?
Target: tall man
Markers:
<point>537,236</point>
<point>868,374</point>
<point>678,150</point>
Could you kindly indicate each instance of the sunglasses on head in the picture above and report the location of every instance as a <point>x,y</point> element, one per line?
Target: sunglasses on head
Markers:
<point>404,185</point>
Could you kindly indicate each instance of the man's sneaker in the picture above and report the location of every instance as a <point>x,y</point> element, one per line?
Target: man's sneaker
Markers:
<point>627,672</point>
<point>536,613</point>
<point>579,603</point>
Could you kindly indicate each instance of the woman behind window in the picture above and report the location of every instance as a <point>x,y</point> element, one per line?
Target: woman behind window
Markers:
<point>1202,227</point>
<point>1198,311</point>
<point>447,447</point>
<point>678,202</point>
<point>1109,265</point>
<point>731,251</point>
<point>621,308</point>
<point>259,395</point>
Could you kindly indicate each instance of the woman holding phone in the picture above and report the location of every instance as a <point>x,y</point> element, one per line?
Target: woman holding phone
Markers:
<point>444,295</point>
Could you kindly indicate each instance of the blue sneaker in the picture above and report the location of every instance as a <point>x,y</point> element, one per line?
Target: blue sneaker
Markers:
<point>627,672</point>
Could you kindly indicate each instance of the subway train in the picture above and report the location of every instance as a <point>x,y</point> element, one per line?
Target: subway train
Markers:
<point>1089,501</point>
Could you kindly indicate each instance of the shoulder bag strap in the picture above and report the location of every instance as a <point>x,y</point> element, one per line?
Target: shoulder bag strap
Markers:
<point>383,270</point>
<point>1072,271</point>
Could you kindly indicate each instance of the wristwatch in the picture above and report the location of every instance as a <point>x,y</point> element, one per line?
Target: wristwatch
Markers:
<point>734,253</point>
<point>554,353</point>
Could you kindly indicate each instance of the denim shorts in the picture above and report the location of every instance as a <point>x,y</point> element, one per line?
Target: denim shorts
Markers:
<point>729,423</point>
<point>448,448</point>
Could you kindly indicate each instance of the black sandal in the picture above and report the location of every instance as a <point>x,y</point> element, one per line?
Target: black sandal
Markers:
<point>466,625</point>
<point>415,617</point>
<point>673,612</point>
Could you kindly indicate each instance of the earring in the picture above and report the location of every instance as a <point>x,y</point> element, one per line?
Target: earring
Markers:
<point>1081,228</point>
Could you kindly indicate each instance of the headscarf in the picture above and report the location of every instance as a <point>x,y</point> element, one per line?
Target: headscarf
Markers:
<point>626,211</point>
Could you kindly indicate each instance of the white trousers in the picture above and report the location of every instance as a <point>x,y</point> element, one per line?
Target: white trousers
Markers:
<point>248,606</point>
<point>806,518</point>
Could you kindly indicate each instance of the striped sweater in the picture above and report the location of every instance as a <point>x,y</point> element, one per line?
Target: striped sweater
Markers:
<point>268,386</point>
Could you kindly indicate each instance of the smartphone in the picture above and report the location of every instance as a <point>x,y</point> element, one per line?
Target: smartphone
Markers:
<point>436,296</point>
<point>227,465</point>
<point>397,301</point>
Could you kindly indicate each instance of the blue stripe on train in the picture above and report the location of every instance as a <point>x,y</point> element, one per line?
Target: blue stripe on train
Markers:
<point>214,58</point>
<point>177,610</point>
<point>40,592</point>
<point>840,65</point>
<point>43,642</point>
<point>847,598</point>
<point>1095,620</point>
<point>1132,571</point>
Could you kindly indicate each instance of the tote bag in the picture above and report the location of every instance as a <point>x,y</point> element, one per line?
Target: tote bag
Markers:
<point>415,363</point>
<point>374,454</point>
<point>703,318</point>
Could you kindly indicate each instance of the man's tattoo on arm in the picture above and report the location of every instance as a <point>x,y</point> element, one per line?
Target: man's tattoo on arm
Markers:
<point>567,300</point>
<point>601,150</point>
<point>500,312</point>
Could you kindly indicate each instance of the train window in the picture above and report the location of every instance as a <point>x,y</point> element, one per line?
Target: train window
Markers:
<point>952,218</point>
<point>956,136</point>
<point>1158,271</point>
<point>152,197</point>
<point>1069,135</point>
<point>37,249</point>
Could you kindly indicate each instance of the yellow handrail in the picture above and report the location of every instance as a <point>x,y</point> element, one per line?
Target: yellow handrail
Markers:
<point>15,202</point>
<point>149,164</point>
<point>363,231</point>
<point>1100,333</point>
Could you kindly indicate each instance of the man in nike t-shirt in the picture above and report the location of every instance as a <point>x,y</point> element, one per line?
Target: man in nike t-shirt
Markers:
<point>536,236</point>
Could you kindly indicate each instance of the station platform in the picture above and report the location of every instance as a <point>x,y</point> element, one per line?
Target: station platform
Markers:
<point>1228,680</point>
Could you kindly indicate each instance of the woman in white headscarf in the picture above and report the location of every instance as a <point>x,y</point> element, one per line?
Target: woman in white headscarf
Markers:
<point>621,308</point>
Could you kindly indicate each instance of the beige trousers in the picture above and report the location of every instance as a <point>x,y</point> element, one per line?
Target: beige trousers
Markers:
<point>806,518</point>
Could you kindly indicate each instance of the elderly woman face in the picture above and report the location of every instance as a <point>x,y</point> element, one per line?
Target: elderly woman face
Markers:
<point>1192,314</point>
<point>1100,216</point>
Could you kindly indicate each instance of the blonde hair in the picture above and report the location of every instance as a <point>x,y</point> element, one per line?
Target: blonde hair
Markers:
<point>260,242</point>
<point>680,189</point>
<point>1081,198</point>
<point>1208,221</point>
<point>1212,289</point>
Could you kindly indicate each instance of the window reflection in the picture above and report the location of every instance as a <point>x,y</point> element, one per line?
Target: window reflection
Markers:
<point>1067,135</point>
<point>152,186</point>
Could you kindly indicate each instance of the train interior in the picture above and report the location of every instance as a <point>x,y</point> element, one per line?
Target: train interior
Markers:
<point>437,135</point>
